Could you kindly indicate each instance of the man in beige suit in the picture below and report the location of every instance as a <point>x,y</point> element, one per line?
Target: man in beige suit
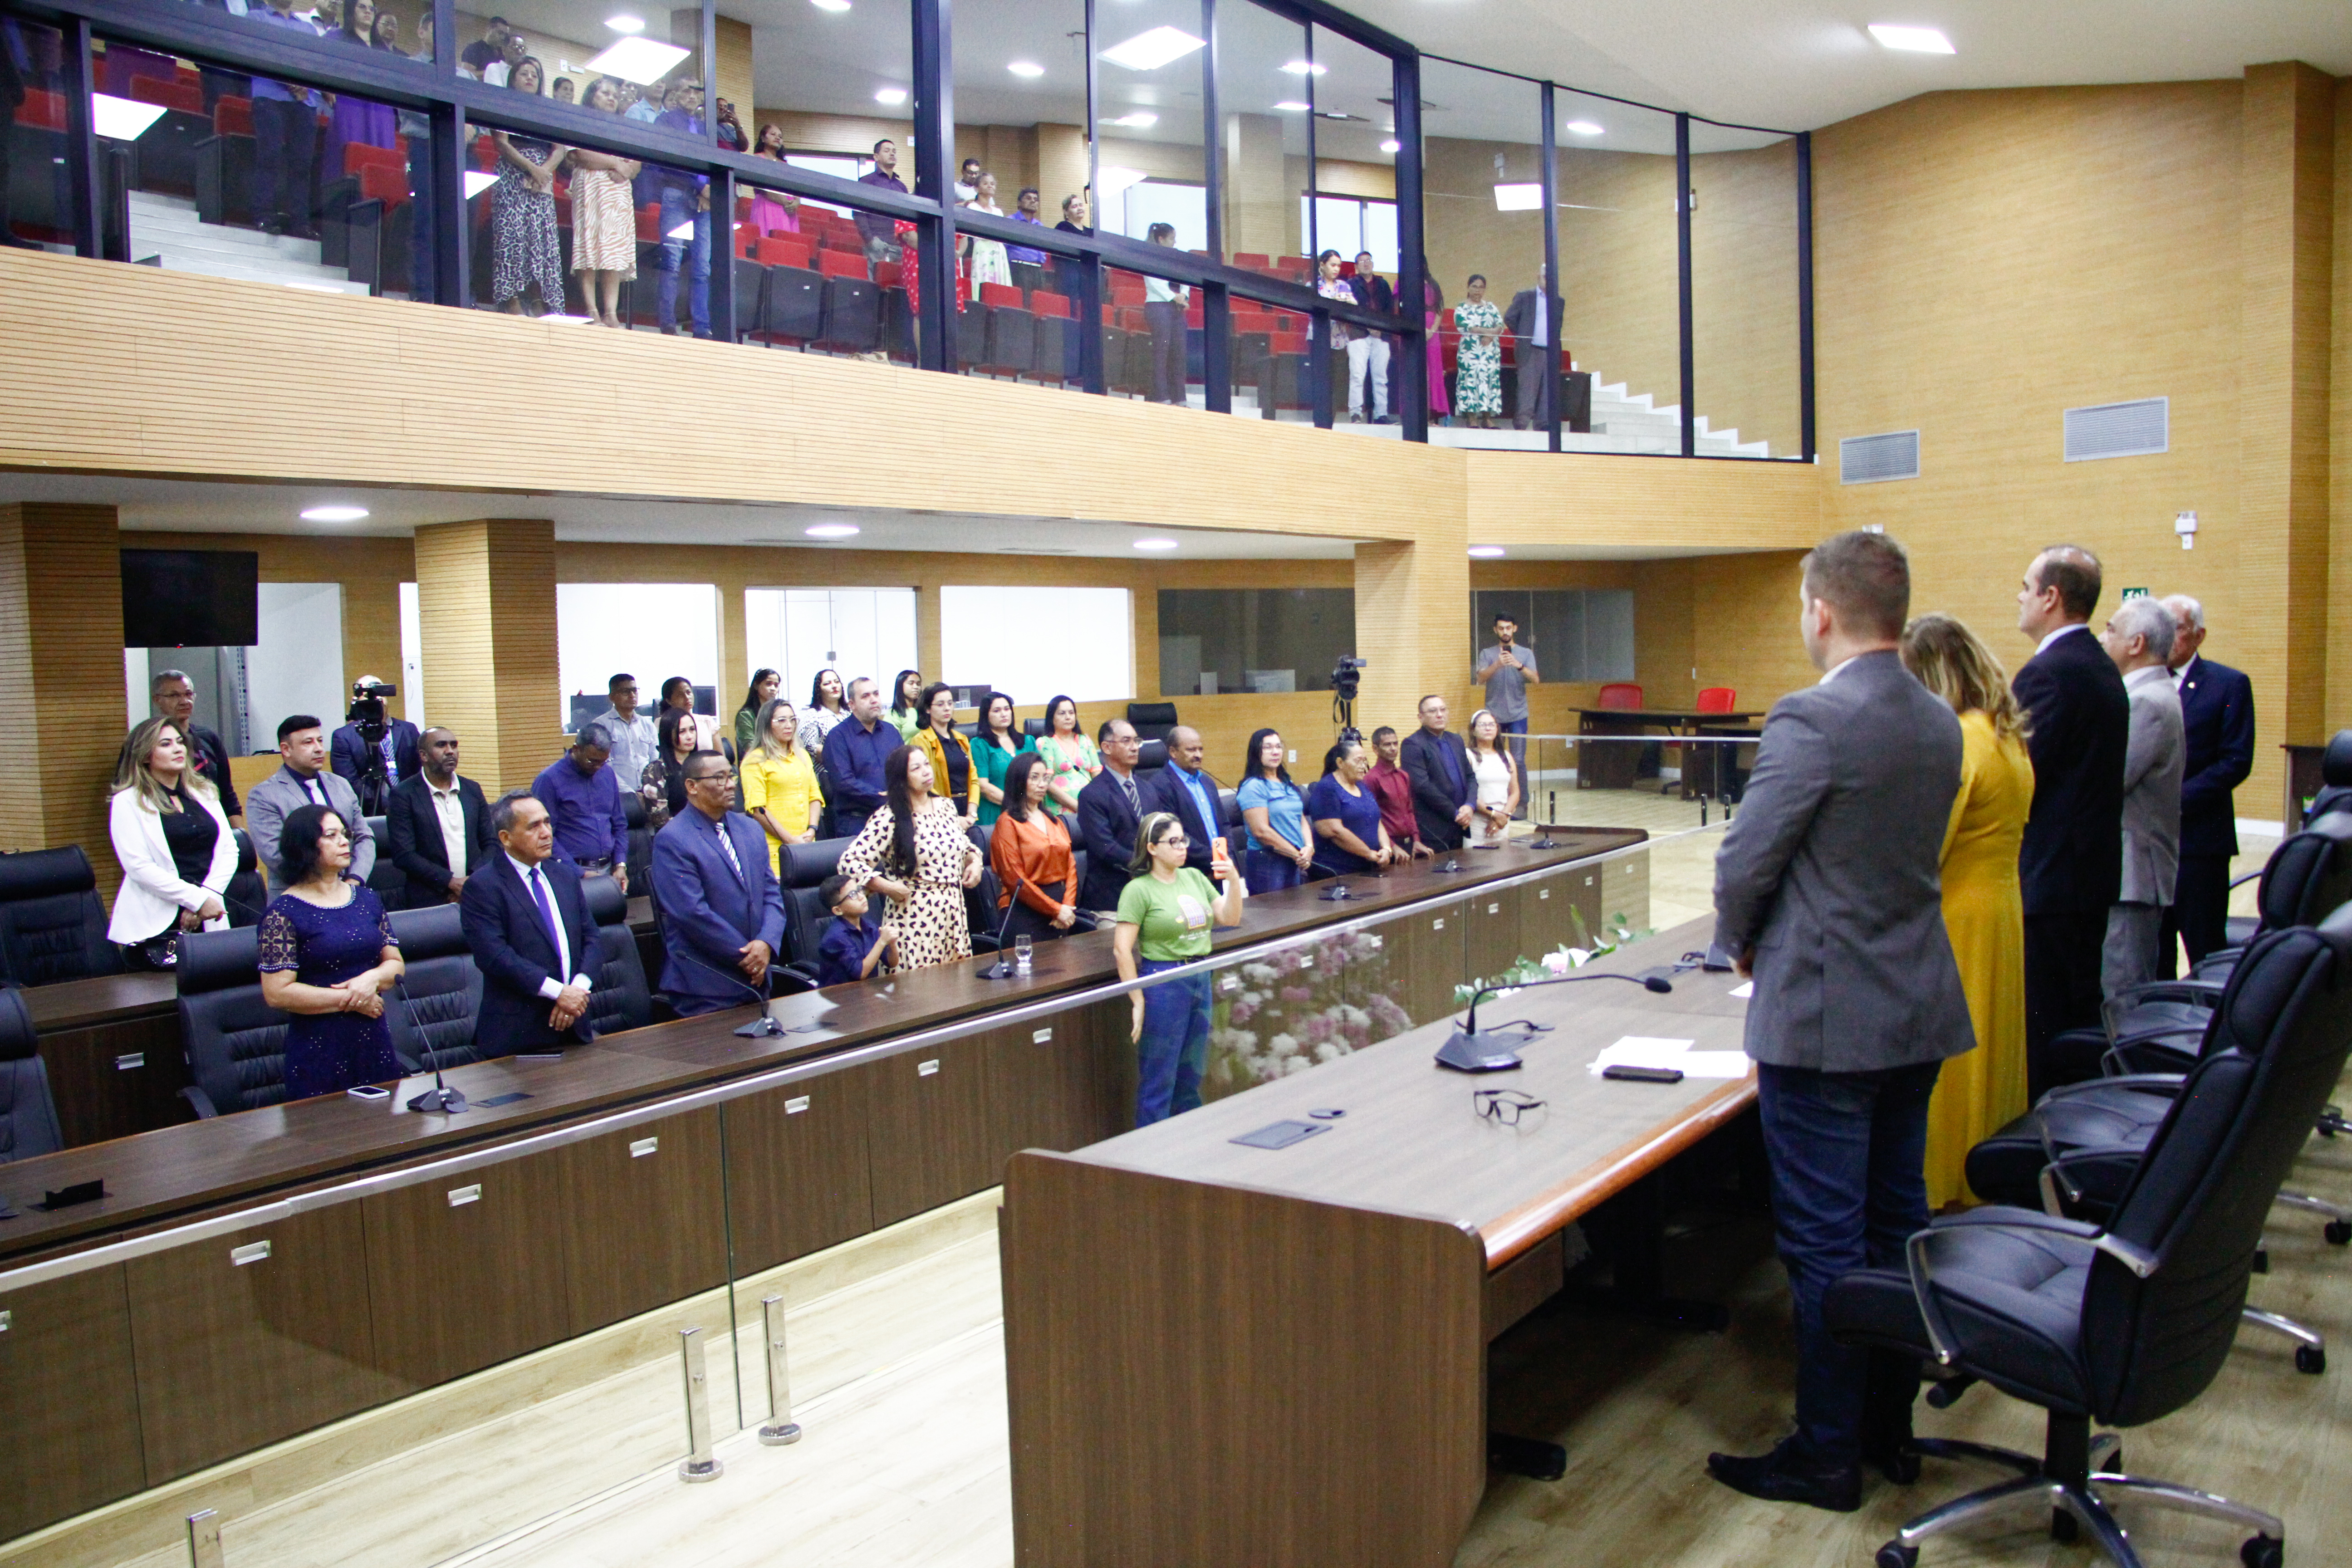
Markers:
<point>2139,638</point>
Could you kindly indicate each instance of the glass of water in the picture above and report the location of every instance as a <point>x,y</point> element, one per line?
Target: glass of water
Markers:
<point>1021,954</point>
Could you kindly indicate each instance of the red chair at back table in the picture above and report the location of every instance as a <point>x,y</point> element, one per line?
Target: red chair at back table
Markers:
<point>1717,698</point>
<point>1621,694</point>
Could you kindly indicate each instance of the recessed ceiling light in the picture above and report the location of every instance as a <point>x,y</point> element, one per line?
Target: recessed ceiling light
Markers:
<point>641,61</point>
<point>891,97</point>
<point>1918,40</point>
<point>1392,145</point>
<point>1582,128</point>
<point>1140,120</point>
<point>1155,545</point>
<point>831,530</point>
<point>1485,551</point>
<point>1520,198</point>
<point>1026,68</point>
<point>830,4</point>
<point>1300,67</point>
<point>120,119</point>
<point>1150,51</point>
<point>334,513</point>
<point>624,22</point>
<point>1292,106</point>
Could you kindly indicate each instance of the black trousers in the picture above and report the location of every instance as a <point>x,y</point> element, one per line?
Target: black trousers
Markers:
<point>2062,990</point>
<point>285,156</point>
<point>1029,276</point>
<point>2199,915</point>
<point>1166,318</point>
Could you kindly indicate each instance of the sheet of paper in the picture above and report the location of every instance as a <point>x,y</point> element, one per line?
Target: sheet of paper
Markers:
<point>1713,1064</point>
<point>1743,991</point>
<point>1653,1051</point>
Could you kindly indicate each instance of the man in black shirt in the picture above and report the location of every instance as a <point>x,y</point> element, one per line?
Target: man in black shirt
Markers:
<point>175,696</point>
<point>489,48</point>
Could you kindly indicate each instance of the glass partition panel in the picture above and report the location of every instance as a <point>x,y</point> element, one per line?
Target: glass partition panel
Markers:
<point>1263,105</point>
<point>1150,58</point>
<point>650,53</point>
<point>1482,216</point>
<point>36,196</point>
<point>1631,771</point>
<point>1151,338</point>
<point>819,276</point>
<point>1222,640</point>
<point>401,27</point>
<point>1614,185</point>
<point>1744,341</point>
<point>1267,360</point>
<point>1021,119</point>
<point>1353,212</point>
<point>821,87</point>
<point>571,234</point>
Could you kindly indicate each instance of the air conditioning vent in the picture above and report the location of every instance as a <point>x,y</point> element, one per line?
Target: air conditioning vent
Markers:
<point>2137,429</point>
<point>1867,459</point>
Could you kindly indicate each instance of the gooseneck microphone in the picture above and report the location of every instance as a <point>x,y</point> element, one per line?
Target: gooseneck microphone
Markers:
<point>1002,968</point>
<point>762,1028</point>
<point>440,1097</point>
<point>1470,1050</point>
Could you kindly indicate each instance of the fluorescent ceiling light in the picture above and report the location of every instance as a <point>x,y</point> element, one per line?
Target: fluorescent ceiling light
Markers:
<point>1026,68</point>
<point>641,61</point>
<point>1140,120</point>
<point>624,22</point>
<point>891,97</point>
<point>1485,551</point>
<point>1290,106</point>
<point>119,119</point>
<point>1150,51</point>
<point>1582,128</point>
<point>334,514</point>
<point>1526,198</point>
<point>830,4</point>
<point>477,182</point>
<point>1392,145</point>
<point>1155,545</point>
<point>1918,40</point>
<point>831,530</point>
<point>1300,67</point>
<point>1111,179</point>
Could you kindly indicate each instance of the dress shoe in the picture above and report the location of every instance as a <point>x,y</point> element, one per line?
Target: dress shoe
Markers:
<point>1781,1476</point>
<point>1897,1461</point>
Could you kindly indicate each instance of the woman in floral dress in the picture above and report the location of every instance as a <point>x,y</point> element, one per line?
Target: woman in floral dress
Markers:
<point>526,252</point>
<point>1478,367</point>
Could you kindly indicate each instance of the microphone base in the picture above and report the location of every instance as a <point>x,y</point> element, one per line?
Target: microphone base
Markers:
<point>1477,1051</point>
<point>1451,867</point>
<point>1337,893</point>
<point>444,1100</point>
<point>762,1028</point>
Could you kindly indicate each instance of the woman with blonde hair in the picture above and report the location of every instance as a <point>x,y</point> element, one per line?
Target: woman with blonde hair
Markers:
<point>172,843</point>
<point>1984,908</point>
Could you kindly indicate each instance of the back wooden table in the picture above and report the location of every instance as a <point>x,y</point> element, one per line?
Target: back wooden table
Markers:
<point>1221,1353</point>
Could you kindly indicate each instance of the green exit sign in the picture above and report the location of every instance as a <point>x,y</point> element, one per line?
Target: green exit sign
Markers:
<point>2135,593</point>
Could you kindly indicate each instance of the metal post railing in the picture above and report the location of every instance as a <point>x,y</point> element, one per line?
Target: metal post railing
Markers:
<point>780,1427</point>
<point>204,1539</point>
<point>699,1464</point>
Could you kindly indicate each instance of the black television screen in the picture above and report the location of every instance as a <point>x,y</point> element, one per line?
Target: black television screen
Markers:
<point>191,598</point>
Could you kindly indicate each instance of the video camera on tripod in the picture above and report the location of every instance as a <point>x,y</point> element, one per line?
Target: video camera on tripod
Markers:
<point>367,714</point>
<point>1347,679</point>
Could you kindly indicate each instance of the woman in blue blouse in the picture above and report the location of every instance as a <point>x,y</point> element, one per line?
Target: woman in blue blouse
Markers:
<point>1345,816</point>
<point>1279,854</point>
<point>327,956</point>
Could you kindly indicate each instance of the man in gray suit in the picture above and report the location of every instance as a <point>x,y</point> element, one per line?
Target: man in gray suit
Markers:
<point>1826,888</point>
<point>2139,638</point>
<point>304,780</point>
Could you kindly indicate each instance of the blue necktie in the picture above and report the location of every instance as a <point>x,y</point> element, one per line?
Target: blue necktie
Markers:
<point>547,914</point>
<point>727,848</point>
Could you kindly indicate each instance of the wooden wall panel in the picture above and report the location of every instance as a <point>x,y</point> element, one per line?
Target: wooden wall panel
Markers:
<point>1621,505</point>
<point>486,604</point>
<point>2339,445</point>
<point>60,653</point>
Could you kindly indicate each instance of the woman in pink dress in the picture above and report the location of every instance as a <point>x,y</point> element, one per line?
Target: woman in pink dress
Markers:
<point>773,212</point>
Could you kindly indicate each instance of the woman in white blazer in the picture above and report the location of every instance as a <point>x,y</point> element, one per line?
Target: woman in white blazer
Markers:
<point>174,844</point>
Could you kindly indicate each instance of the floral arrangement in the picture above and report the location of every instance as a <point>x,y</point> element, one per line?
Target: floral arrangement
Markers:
<point>1616,932</point>
<point>1298,1007</point>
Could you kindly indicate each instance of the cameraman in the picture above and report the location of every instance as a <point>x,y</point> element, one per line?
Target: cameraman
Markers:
<point>370,752</point>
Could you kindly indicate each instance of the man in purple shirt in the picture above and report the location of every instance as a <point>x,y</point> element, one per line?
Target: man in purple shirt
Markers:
<point>879,230</point>
<point>1028,262</point>
<point>684,200</point>
<point>583,800</point>
<point>284,138</point>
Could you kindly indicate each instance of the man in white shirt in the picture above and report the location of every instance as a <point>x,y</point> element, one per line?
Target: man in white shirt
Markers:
<point>630,732</point>
<point>2139,638</point>
<point>437,825</point>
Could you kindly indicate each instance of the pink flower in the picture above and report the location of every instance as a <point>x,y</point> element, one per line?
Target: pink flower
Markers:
<point>1297,993</point>
<point>1244,1011</point>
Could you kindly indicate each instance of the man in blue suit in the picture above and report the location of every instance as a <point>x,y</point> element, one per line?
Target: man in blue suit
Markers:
<point>1188,792</point>
<point>722,914</point>
<point>527,923</point>
<point>2217,706</point>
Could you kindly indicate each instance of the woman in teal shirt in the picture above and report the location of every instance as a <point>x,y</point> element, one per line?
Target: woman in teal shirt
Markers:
<point>992,751</point>
<point>1164,918</point>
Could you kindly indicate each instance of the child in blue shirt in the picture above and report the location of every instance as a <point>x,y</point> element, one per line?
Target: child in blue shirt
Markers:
<point>852,945</point>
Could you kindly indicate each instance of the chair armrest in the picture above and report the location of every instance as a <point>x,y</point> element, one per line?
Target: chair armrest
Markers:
<point>2153,1055</point>
<point>1918,1251</point>
<point>793,979</point>
<point>2166,1085</point>
<point>2088,1182</point>
<point>2191,991</point>
<point>2253,875</point>
<point>203,1102</point>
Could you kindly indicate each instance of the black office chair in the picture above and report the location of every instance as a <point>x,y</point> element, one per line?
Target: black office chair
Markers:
<point>1034,727</point>
<point>28,1115</point>
<point>52,926</point>
<point>385,879</point>
<point>805,868</point>
<point>443,988</point>
<point>2128,1322</point>
<point>1150,762</point>
<point>235,1041</point>
<point>621,999</point>
<point>1152,720</point>
<point>2335,779</point>
<point>640,856</point>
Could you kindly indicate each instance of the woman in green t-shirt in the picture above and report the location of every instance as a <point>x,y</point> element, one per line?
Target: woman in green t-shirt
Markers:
<point>1164,917</point>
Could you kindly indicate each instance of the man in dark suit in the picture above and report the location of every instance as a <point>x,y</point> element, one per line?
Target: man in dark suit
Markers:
<point>2072,862</point>
<point>2217,709</point>
<point>528,926</point>
<point>722,913</point>
<point>1826,888</point>
<point>1111,809</point>
<point>438,825</point>
<point>1443,784</point>
<point>1189,792</point>
<point>1529,321</point>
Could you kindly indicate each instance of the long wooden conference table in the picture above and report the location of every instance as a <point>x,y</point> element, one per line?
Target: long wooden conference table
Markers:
<point>1222,1353</point>
<point>247,1278</point>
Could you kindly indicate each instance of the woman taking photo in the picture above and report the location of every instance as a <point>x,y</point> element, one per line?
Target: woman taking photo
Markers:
<point>327,955</point>
<point>1163,922</point>
<point>914,853</point>
<point>952,771</point>
<point>765,685</point>
<point>825,709</point>
<point>1037,878</point>
<point>1984,906</point>
<point>172,843</point>
<point>1346,815</point>
<point>1278,853</point>
<point>604,214</point>
<point>993,750</point>
<point>905,710</point>
<point>1497,781</point>
<point>779,783</point>
<point>1069,754</point>
<point>664,783</point>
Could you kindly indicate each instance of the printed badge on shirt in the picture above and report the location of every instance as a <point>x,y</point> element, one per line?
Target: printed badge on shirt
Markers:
<point>1195,913</point>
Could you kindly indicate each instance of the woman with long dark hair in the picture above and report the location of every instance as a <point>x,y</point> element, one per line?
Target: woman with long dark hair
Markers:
<point>914,852</point>
<point>951,755</point>
<point>906,709</point>
<point>664,783</point>
<point>993,750</point>
<point>765,684</point>
<point>1346,816</point>
<point>827,707</point>
<point>1069,753</point>
<point>772,212</point>
<point>327,956</point>
<point>1279,853</point>
<point>1036,876</point>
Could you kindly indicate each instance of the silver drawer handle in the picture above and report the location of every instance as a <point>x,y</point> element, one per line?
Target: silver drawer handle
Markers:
<point>129,1061</point>
<point>796,1104</point>
<point>251,1252</point>
<point>460,1197</point>
<point>1041,1036</point>
<point>6,1318</point>
<point>1543,892</point>
<point>1437,924</point>
<point>924,1070</point>
<point>643,1147</point>
<point>1494,909</point>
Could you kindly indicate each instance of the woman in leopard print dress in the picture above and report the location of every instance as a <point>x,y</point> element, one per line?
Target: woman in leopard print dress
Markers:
<point>915,852</point>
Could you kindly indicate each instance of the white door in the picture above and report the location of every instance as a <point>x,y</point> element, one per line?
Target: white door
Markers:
<point>854,631</point>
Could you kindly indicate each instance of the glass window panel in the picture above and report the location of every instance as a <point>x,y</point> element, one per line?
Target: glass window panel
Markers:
<point>1253,639</point>
<point>1151,338</point>
<point>36,202</point>
<point>984,640</point>
<point>1744,291</point>
<point>1268,361</point>
<point>575,42</point>
<point>652,630</point>
<point>802,632</point>
<point>1621,300</point>
<point>400,27</point>
<point>1482,216</point>
<point>1262,102</point>
<point>1147,83</point>
<point>821,85</point>
<point>1020,105</point>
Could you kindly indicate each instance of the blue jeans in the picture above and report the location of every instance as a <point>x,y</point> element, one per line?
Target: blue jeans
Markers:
<point>1847,1151</point>
<point>676,206</point>
<point>1174,1046</point>
<point>1518,749</point>
<point>1264,871</point>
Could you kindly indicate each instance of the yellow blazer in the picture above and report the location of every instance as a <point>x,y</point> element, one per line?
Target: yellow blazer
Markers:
<point>927,739</point>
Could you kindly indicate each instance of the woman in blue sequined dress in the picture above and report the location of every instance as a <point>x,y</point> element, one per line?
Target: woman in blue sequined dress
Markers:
<point>327,956</point>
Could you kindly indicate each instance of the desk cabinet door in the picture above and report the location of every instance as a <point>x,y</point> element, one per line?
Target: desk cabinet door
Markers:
<point>642,1217</point>
<point>247,1338</point>
<point>116,1079</point>
<point>1059,1082</point>
<point>68,1400</point>
<point>1494,932</point>
<point>467,1272</point>
<point>935,1134</point>
<point>796,1167</point>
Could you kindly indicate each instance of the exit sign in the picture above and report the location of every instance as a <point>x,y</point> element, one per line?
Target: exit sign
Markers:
<point>2135,593</point>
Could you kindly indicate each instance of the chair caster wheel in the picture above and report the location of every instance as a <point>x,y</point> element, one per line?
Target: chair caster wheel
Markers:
<point>1894,1555</point>
<point>2338,1232</point>
<point>2311,1360</point>
<point>2262,1551</point>
<point>2262,1260</point>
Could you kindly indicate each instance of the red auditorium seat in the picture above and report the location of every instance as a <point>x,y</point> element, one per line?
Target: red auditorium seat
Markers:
<point>1620,694</point>
<point>180,97</point>
<point>231,116</point>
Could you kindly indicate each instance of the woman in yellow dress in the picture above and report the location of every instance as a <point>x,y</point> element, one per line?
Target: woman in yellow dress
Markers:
<point>1984,910</point>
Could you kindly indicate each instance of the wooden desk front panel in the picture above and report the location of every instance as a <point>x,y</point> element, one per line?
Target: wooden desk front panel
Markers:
<point>1425,950</point>
<point>936,1135</point>
<point>798,1167</point>
<point>68,1400</point>
<point>468,1271</point>
<point>114,1080</point>
<point>641,1229</point>
<point>1072,1088</point>
<point>1494,933</point>
<point>231,1356</point>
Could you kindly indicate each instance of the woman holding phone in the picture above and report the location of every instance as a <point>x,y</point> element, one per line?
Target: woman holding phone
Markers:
<point>1164,920</point>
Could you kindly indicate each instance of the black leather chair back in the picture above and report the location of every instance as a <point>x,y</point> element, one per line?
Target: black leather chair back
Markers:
<point>52,926</point>
<point>28,1116</point>
<point>621,999</point>
<point>1034,727</point>
<point>1228,813</point>
<point>386,879</point>
<point>2334,778</point>
<point>2309,875</point>
<point>2199,1199</point>
<point>1150,761</point>
<point>1152,720</point>
<point>444,990</point>
<point>805,868</point>
<point>607,904</point>
<point>236,1041</point>
<point>248,895</point>
<point>641,842</point>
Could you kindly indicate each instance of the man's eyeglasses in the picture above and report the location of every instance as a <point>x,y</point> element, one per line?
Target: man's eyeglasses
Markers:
<point>1503,1105</point>
<point>725,777</point>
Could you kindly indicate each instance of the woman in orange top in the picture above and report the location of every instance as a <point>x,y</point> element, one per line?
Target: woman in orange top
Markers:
<point>1029,850</point>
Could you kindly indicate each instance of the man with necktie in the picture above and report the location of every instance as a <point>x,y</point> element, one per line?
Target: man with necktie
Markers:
<point>2217,712</point>
<point>722,913</point>
<point>1110,808</point>
<point>527,923</point>
<point>304,780</point>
